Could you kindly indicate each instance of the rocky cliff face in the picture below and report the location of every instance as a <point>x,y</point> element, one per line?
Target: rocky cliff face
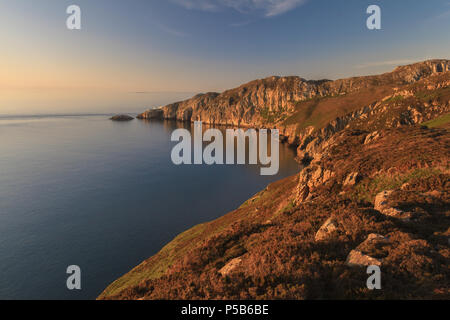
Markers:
<point>309,113</point>
<point>246,105</point>
<point>268,101</point>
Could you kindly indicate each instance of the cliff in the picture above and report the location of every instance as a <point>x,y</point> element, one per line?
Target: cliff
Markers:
<point>308,112</point>
<point>268,101</point>
<point>374,190</point>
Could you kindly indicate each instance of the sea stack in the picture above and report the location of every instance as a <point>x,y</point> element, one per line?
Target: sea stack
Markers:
<point>122,117</point>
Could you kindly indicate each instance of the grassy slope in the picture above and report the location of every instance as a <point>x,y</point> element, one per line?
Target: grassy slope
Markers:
<point>318,112</point>
<point>440,122</point>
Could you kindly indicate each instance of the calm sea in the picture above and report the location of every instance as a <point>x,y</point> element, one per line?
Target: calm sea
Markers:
<point>86,191</point>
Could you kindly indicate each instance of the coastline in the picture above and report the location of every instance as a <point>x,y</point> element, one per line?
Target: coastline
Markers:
<point>398,114</point>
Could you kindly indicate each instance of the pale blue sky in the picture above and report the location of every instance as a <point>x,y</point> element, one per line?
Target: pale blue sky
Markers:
<point>201,45</point>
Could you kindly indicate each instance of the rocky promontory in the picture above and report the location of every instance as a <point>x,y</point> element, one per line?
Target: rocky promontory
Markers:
<point>270,100</point>
<point>308,113</point>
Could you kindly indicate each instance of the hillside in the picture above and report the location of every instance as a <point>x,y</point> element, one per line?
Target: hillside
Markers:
<point>374,190</point>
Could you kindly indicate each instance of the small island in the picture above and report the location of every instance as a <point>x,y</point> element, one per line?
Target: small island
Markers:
<point>122,117</point>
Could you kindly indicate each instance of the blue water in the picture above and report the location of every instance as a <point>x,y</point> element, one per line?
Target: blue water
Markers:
<point>83,190</point>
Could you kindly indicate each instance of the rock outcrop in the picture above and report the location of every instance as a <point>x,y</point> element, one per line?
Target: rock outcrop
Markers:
<point>230,266</point>
<point>122,117</point>
<point>382,205</point>
<point>359,258</point>
<point>309,178</point>
<point>329,228</point>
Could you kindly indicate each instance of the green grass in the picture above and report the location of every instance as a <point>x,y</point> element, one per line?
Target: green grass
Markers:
<point>394,99</point>
<point>288,208</point>
<point>272,116</point>
<point>367,189</point>
<point>438,122</point>
<point>252,200</point>
<point>305,115</point>
<point>319,111</point>
<point>427,96</point>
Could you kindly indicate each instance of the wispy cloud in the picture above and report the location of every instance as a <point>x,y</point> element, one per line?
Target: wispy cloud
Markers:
<point>445,14</point>
<point>386,63</point>
<point>267,8</point>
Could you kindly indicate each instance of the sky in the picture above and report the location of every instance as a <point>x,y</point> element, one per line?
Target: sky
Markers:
<point>152,51</point>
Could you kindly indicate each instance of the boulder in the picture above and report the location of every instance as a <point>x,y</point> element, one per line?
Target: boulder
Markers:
<point>357,259</point>
<point>374,238</point>
<point>327,229</point>
<point>381,205</point>
<point>230,266</point>
<point>309,178</point>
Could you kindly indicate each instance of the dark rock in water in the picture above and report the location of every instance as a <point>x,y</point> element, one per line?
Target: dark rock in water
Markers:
<point>122,117</point>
